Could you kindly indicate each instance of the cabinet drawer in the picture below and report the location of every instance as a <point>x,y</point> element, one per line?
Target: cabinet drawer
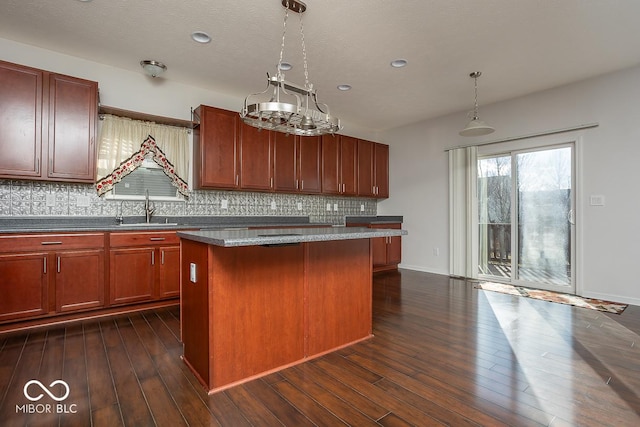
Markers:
<point>143,239</point>
<point>39,242</point>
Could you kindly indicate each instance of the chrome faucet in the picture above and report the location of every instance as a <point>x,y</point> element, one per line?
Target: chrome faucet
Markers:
<point>120,216</point>
<point>148,209</point>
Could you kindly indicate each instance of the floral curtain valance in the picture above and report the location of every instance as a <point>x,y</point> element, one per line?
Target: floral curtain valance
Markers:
<point>148,147</point>
<point>123,141</point>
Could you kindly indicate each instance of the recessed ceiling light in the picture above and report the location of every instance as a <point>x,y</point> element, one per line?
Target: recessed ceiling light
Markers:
<point>285,66</point>
<point>344,87</point>
<point>200,37</point>
<point>398,63</point>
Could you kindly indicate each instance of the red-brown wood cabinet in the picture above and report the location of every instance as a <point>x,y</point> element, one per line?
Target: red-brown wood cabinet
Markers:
<point>296,163</point>
<point>144,266</point>
<point>40,274</point>
<point>373,169</point>
<point>229,154</point>
<point>339,165</point>
<point>48,125</point>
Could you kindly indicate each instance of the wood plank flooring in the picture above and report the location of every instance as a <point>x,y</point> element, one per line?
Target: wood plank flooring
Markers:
<point>444,353</point>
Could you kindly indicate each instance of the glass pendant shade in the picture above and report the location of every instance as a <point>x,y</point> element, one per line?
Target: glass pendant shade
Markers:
<point>153,68</point>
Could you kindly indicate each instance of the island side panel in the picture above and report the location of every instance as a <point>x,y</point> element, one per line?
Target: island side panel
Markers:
<point>194,309</point>
<point>339,289</point>
<point>258,310</point>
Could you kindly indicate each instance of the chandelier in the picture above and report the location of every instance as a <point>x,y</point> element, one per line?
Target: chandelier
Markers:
<point>291,108</point>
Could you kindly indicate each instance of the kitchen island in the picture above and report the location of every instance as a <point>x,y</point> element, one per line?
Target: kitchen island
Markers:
<point>257,301</point>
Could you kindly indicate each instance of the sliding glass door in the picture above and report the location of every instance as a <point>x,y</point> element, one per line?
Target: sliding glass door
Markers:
<point>525,218</point>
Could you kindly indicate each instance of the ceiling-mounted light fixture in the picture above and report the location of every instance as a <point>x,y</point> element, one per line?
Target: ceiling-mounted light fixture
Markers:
<point>476,127</point>
<point>291,108</point>
<point>153,68</point>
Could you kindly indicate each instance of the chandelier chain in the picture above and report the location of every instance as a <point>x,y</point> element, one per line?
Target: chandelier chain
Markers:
<point>304,56</point>
<point>284,33</point>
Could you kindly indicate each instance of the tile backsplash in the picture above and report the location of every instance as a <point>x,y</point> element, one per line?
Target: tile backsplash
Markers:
<point>34,198</point>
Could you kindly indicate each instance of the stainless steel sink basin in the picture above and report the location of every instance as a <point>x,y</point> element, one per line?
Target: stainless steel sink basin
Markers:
<point>149,224</point>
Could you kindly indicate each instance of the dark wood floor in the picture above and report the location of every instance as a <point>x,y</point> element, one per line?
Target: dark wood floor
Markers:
<point>443,353</point>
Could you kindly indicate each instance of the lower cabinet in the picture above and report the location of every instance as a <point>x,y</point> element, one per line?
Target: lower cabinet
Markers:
<point>50,274</point>
<point>47,274</point>
<point>75,291</point>
<point>144,266</point>
<point>385,251</point>
<point>24,286</point>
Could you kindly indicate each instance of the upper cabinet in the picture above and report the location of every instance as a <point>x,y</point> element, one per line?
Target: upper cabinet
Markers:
<point>339,165</point>
<point>296,163</point>
<point>47,125</point>
<point>215,148</point>
<point>373,169</point>
<point>229,154</point>
<point>256,158</point>
<point>232,155</point>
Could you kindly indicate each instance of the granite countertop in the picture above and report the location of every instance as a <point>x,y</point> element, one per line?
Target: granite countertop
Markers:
<point>72,224</point>
<point>281,236</point>
<point>380,219</point>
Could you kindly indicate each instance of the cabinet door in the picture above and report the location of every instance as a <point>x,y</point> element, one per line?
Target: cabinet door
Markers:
<point>366,169</point>
<point>379,251</point>
<point>382,170</point>
<point>256,161</point>
<point>76,291</point>
<point>349,165</point>
<point>20,121</point>
<point>169,280</point>
<point>24,286</point>
<point>331,183</point>
<point>215,148</point>
<point>73,113</point>
<point>285,163</point>
<point>394,250</point>
<point>131,274</point>
<point>309,152</point>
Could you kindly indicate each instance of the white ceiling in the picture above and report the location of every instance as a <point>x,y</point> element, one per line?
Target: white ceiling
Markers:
<point>521,46</point>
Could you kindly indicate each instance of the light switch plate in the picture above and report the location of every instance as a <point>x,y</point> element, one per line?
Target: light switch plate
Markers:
<point>329,207</point>
<point>224,204</point>
<point>51,200</point>
<point>361,208</point>
<point>273,205</point>
<point>299,206</point>
<point>335,207</point>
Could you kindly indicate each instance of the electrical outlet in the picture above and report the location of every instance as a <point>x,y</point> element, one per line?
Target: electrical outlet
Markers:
<point>436,251</point>
<point>361,208</point>
<point>335,207</point>
<point>192,272</point>
<point>299,205</point>
<point>273,205</point>
<point>329,207</point>
<point>51,200</point>
<point>596,200</point>
<point>224,204</point>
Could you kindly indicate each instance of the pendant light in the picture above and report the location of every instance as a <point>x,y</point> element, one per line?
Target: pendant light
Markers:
<point>476,127</point>
<point>289,108</point>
